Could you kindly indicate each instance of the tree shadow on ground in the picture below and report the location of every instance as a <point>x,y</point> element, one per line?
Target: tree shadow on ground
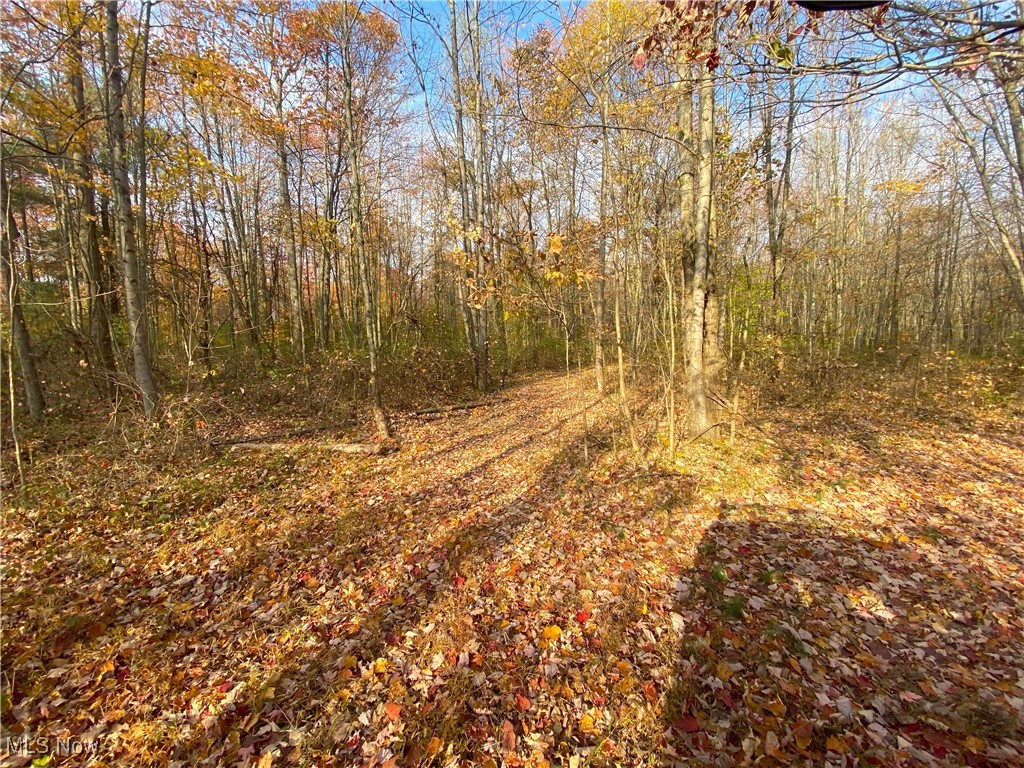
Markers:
<point>243,618</point>
<point>430,600</point>
<point>958,489</point>
<point>801,643</point>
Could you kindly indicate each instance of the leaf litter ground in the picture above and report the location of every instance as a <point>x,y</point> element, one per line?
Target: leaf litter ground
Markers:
<point>842,586</point>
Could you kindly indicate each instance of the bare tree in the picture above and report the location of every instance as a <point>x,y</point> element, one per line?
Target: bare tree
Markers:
<point>359,227</point>
<point>134,300</point>
<point>12,298</point>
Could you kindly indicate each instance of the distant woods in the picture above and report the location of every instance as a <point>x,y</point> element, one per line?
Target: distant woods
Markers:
<point>464,191</point>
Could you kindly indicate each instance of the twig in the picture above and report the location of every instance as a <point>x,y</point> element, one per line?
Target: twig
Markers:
<point>697,437</point>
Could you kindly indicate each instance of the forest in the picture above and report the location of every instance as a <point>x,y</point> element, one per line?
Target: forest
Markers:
<point>522,383</point>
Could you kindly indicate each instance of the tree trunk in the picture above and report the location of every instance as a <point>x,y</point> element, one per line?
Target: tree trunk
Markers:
<point>602,248</point>
<point>700,419</point>
<point>88,237</point>
<point>134,304</point>
<point>12,298</point>
<point>142,220</point>
<point>294,289</point>
<point>469,317</point>
<point>482,361</point>
<point>358,231</point>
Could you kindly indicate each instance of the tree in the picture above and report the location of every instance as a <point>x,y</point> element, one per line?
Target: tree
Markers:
<point>135,305</point>
<point>88,235</point>
<point>11,286</point>
<point>359,225</point>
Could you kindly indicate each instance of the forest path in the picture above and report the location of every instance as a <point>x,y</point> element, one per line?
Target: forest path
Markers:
<point>513,586</point>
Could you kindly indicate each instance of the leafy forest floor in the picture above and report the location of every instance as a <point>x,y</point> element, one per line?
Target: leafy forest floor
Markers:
<point>841,584</point>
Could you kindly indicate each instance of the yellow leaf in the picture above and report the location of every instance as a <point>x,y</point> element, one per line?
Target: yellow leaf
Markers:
<point>349,662</point>
<point>974,744</point>
<point>836,744</point>
<point>552,633</point>
<point>587,724</point>
<point>723,671</point>
<point>777,708</point>
<point>555,244</point>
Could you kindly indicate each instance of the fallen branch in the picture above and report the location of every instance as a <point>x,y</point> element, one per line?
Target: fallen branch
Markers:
<point>272,437</point>
<point>697,437</point>
<point>372,448</point>
<point>460,407</point>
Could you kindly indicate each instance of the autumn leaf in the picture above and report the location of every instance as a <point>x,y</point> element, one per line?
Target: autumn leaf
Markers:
<point>777,708</point>
<point>508,736</point>
<point>771,746</point>
<point>550,635</point>
<point>587,724</point>
<point>687,724</point>
<point>803,732</point>
<point>393,711</point>
<point>974,745</point>
<point>836,744</point>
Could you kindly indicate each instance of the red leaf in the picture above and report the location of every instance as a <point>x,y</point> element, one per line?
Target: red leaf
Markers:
<point>687,724</point>
<point>392,710</point>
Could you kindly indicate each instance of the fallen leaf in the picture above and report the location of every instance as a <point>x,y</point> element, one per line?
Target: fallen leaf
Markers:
<point>687,724</point>
<point>803,732</point>
<point>508,736</point>
<point>835,744</point>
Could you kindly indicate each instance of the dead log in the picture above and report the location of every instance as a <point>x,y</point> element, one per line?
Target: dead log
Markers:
<point>459,407</point>
<point>371,448</point>
<point>272,437</point>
